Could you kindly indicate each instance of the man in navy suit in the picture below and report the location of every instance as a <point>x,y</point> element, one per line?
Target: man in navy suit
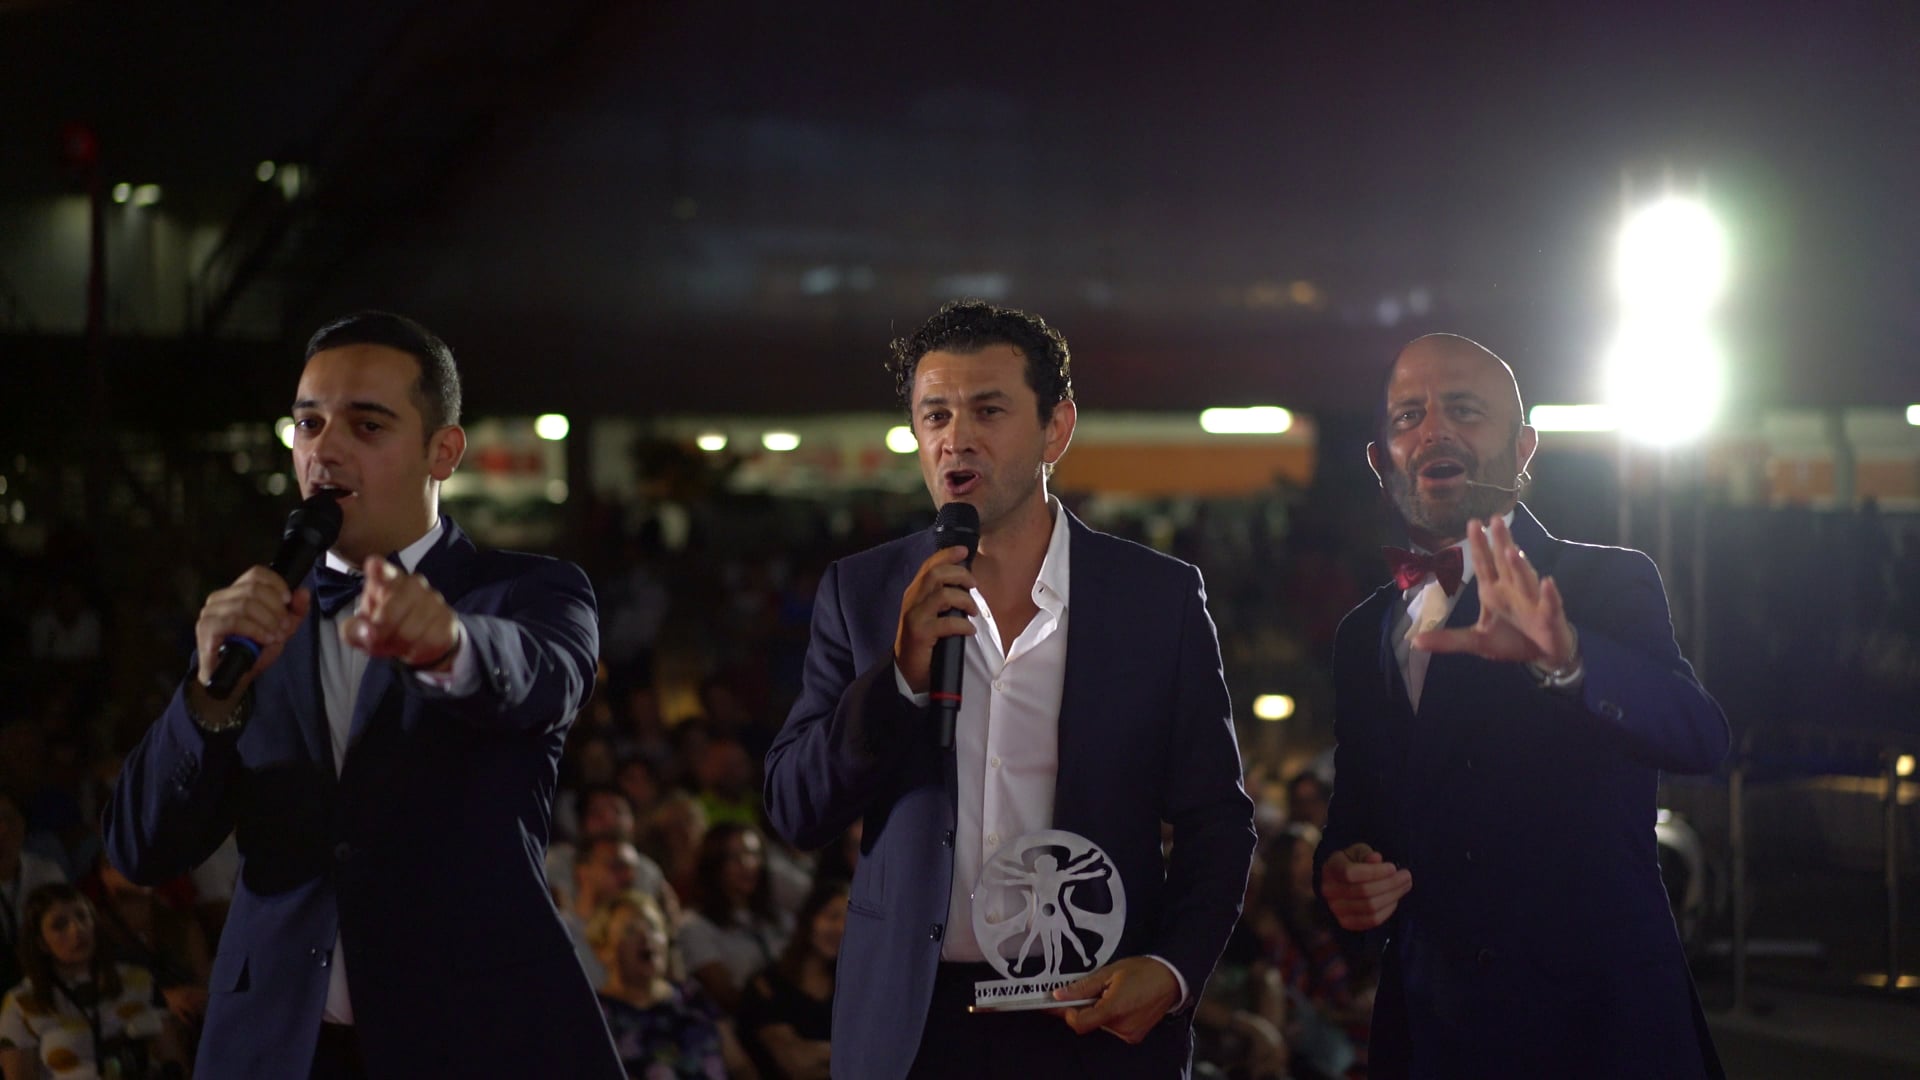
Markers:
<point>388,765</point>
<point>1504,709</point>
<point>1093,703</point>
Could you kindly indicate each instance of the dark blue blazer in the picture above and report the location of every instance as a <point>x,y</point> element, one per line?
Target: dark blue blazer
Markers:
<point>1537,940</point>
<point>1146,735</point>
<point>424,854</point>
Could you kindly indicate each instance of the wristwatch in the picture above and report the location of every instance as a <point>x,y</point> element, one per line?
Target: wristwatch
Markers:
<point>233,721</point>
<point>1563,679</point>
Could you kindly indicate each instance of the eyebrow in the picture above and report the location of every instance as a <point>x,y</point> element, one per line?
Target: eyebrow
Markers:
<point>984,395</point>
<point>352,406</point>
<point>1446,397</point>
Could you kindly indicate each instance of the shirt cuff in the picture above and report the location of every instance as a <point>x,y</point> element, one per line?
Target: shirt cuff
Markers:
<point>899,680</point>
<point>464,677</point>
<point>1179,980</point>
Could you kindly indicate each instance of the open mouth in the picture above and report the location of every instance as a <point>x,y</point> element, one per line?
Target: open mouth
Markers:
<point>340,492</point>
<point>961,481</point>
<point>1443,471</point>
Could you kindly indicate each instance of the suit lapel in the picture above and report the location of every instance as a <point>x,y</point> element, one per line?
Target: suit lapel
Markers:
<point>301,661</point>
<point>1090,617</point>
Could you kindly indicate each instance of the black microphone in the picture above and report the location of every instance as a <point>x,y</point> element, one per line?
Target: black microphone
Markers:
<point>311,530</point>
<point>957,523</point>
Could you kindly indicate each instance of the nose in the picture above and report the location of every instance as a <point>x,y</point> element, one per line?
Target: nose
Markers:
<point>958,436</point>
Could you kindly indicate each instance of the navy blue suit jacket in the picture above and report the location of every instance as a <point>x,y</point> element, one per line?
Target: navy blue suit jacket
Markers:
<point>424,853</point>
<point>1145,736</point>
<point>1537,939</point>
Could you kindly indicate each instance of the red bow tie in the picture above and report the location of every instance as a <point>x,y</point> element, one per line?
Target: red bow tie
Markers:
<point>1410,568</point>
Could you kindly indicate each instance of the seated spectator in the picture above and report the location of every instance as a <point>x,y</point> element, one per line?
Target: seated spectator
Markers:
<point>605,813</point>
<point>608,867</point>
<point>586,763</point>
<point>660,1028</point>
<point>136,927</point>
<point>78,1013</point>
<point>671,836</point>
<point>786,1013</point>
<point>735,929</point>
<point>1307,797</point>
<point>21,872</point>
<point>640,781</point>
<point>729,788</point>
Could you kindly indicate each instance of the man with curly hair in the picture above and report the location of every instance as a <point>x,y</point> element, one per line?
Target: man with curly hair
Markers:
<point>1094,704</point>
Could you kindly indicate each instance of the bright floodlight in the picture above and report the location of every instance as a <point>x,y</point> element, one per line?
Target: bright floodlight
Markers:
<point>122,192</point>
<point>900,439</point>
<point>263,172</point>
<point>1913,415</point>
<point>1254,420</point>
<point>1904,765</point>
<point>1664,382</point>
<point>712,442</point>
<point>1672,256</point>
<point>1572,418</point>
<point>283,427</point>
<point>551,426</point>
<point>1272,707</point>
<point>780,441</point>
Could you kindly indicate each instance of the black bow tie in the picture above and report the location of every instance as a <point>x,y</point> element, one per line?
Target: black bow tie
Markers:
<point>335,589</point>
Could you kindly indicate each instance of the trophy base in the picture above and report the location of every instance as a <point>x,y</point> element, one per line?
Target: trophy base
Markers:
<point>1016,995</point>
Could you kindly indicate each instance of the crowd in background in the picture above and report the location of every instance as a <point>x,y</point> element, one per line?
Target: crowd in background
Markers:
<point>712,944</point>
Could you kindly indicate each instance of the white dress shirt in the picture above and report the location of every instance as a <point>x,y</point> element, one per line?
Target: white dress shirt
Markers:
<point>341,669</point>
<point>1006,739</point>
<point>1424,605</point>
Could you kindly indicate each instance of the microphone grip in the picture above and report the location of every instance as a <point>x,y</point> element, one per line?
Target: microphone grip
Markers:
<point>949,662</point>
<point>235,658</point>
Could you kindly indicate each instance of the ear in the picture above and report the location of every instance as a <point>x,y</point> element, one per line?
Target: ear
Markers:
<point>1528,442</point>
<point>1059,431</point>
<point>1374,463</point>
<point>445,450</point>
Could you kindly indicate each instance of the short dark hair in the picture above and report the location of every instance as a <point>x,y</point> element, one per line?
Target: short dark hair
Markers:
<point>966,326</point>
<point>436,391</point>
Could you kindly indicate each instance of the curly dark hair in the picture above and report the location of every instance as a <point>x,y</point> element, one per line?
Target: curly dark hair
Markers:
<point>966,326</point>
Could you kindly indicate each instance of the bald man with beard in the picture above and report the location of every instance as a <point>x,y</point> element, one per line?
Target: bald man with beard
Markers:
<point>1504,708</point>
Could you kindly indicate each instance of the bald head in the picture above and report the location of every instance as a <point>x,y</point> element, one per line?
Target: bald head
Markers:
<point>1453,441</point>
<point>1460,356</point>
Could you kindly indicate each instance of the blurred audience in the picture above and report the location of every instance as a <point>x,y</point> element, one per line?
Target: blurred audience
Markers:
<point>662,1029</point>
<point>77,1013</point>
<point>734,929</point>
<point>786,1014</point>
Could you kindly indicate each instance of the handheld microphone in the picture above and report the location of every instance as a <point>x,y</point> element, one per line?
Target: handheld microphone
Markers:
<point>311,529</point>
<point>957,523</point>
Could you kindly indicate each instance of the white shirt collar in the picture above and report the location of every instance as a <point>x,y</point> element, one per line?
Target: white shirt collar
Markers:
<point>1051,586</point>
<point>410,555</point>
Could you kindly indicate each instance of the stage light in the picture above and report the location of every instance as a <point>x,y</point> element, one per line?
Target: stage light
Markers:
<point>780,441</point>
<point>1664,382</point>
<point>556,491</point>
<point>551,426</point>
<point>900,440</point>
<point>1672,256</point>
<point>1913,415</point>
<point>1904,765</point>
<point>712,442</point>
<point>1253,420</point>
<point>146,194</point>
<point>1572,418</point>
<point>283,427</point>
<point>263,172</point>
<point>1273,707</point>
<point>276,483</point>
<point>3,485</point>
<point>122,192</point>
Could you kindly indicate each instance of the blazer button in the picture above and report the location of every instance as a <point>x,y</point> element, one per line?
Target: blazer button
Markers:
<point>1469,854</point>
<point>1611,711</point>
<point>934,934</point>
<point>946,838</point>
